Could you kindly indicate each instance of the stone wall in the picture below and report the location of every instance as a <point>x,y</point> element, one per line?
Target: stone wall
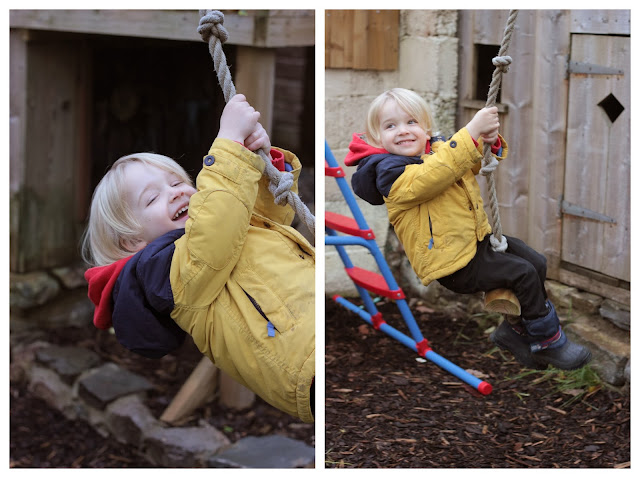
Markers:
<point>428,64</point>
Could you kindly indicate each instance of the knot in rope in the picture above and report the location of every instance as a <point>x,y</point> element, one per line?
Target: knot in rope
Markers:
<point>280,187</point>
<point>502,63</point>
<point>490,166</point>
<point>213,33</point>
<point>498,245</point>
<point>211,24</point>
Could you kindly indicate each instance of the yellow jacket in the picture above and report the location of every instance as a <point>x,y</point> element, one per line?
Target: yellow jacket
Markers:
<point>436,208</point>
<point>243,280</point>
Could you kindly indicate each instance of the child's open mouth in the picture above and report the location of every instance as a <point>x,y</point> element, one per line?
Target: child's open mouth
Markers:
<point>181,214</point>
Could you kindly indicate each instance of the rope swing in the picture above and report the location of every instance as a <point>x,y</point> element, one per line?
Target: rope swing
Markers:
<point>212,31</point>
<point>499,300</point>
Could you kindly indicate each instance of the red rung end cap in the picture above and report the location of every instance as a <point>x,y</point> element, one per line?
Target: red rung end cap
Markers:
<point>333,172</point>
<point>377,320</point>
<point>335,297</point>
<point>485,388</point>
<point>423,347</point>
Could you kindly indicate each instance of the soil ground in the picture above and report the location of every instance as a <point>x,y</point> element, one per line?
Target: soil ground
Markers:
<point>41,437</point>
<point>385,409</point>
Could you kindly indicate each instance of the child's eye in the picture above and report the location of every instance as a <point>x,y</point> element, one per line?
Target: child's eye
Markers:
<point>413,121</point>
<point>177,183</point>
<point>389,126</point>
<point>151,200</point>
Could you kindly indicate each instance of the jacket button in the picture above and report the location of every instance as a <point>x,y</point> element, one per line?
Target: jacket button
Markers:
<point>453,144</point>
<point>209,160</point>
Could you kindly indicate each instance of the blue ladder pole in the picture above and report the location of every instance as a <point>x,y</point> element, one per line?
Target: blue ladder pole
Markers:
<point>418,344</point>
<point>483,387</point>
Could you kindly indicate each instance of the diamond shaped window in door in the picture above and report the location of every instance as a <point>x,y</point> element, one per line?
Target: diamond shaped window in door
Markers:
<point>611,106</point>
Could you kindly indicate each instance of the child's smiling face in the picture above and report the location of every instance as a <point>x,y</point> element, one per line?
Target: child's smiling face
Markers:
<point>400,133</point>
<point>159,199</point>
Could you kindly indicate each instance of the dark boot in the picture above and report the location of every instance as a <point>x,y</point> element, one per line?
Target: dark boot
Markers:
<point>512,338</point>
<point>551,346</point>
<point>541,342</point>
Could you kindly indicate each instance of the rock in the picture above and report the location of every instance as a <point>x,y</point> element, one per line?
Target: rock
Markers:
<point>586,302</point>
<point>617,313</point>
<point>128,419</point>
<point>560,294</point>
<point>182,447</point>
<point>71,277</point>
<point>608,344</point>
<point>68,362</point>
<point>33,289</point>
<point>46,385</point>
<point>627,371</point>
<point>273,451</point>
<point>71,308</point>
<point>22,358</point>
<point>109,382</point>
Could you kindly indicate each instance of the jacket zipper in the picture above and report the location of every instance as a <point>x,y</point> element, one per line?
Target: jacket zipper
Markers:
<point>430,246</point>
<point>271,329</point>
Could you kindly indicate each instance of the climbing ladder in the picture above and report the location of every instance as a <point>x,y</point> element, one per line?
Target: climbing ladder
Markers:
<point>358,233</point>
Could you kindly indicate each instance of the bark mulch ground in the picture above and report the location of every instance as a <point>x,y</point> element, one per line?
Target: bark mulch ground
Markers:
<point>41,437</point>
<point>385,409</point>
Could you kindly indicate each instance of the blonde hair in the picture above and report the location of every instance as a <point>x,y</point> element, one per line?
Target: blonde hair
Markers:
<point>111,221</point>
<point>409,101</point>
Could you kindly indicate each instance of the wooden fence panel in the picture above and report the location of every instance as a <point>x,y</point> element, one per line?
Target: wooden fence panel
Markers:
<point>362,39</point>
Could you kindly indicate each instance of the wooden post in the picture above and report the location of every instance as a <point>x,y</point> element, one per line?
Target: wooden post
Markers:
<point>196,391</point>
<point>234,395</point>
<point>255,78</point>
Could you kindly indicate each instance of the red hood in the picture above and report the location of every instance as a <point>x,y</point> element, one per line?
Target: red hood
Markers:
<point>101,281</point>
<point>359,149</point>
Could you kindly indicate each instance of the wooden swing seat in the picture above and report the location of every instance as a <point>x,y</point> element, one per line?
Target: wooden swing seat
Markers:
<point>502,301</point>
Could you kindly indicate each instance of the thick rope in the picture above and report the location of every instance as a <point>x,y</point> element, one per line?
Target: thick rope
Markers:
<point>212,31</point>
<point>489,163</point>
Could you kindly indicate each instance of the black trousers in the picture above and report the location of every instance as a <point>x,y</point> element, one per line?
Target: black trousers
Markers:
<point>519,268</point>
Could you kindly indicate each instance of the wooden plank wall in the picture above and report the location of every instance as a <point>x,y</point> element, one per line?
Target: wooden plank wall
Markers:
<point>79,102</point>
<point>534,111</point>
<point>534,94</point>
<point>362,39</point>
<point>50,153</point>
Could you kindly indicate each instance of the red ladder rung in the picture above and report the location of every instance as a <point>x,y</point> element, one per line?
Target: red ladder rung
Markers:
<point>373,282</point>
<point>347,225</point>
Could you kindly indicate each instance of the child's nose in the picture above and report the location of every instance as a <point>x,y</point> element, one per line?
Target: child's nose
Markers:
<point>176,195</point>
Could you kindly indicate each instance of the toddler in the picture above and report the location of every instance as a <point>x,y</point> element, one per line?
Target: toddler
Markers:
<point>434,204</point>
<point>219,262</point>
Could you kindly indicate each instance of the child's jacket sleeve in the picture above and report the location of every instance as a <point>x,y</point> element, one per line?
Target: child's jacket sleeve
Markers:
<point>219,216</point>
<point>450,161</point>
<point>265,205</point>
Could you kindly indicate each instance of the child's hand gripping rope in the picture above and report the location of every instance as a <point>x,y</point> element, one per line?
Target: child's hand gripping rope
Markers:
<point>239,122</point>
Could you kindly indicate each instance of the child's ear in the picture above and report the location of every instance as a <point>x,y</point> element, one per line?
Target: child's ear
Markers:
<point>133,245</point>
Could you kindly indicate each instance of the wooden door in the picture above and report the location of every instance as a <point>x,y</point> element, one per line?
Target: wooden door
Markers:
<point>596,200</point>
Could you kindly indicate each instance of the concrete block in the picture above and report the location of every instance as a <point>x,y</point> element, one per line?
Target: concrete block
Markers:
<point>429,22</point>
